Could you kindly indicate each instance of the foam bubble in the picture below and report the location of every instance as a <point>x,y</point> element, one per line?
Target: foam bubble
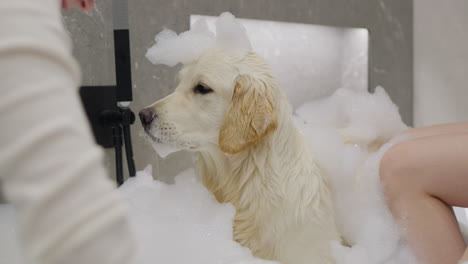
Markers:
<point>231,35</point>
<point>172,48</point>
<point>344,132</point>
<point>181,223</point>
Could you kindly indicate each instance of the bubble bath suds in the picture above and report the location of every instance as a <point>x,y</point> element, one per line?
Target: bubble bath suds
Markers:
<point>172,48</point>
<point>182,223</point>
<point>345,132</point>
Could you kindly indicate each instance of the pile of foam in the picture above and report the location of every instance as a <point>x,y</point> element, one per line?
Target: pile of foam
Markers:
<point>178,224</point>
<point>344,132</point>
<point>182,223</point>
<point>363,118</point>
<point>172,48</point>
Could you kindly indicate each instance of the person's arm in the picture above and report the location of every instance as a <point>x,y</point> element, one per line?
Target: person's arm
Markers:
<point>50,168</point>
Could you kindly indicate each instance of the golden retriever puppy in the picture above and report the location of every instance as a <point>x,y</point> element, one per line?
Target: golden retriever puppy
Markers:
<point>232,112</point>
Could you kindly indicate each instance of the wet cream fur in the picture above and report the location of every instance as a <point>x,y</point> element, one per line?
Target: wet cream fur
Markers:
<point>250,154</point>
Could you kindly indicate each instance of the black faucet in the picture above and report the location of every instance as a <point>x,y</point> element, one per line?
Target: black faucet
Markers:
<point>108,107</point>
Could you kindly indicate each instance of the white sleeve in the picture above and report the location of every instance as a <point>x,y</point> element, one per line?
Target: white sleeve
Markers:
<point>50,167</point>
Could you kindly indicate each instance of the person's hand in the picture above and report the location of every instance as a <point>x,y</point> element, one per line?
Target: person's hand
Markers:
<point>83,4</point>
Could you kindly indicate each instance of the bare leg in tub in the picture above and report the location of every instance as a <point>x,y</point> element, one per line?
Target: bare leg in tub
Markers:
<point>423,177</point>
<point>437,130</point>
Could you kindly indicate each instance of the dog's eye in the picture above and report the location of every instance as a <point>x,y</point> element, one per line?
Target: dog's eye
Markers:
<point>201,89</point>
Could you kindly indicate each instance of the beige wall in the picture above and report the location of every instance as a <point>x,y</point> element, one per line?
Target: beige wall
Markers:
<point>440,61</point>
<point>441,64</point>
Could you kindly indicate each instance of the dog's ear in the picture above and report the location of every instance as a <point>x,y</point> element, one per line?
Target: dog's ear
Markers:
<point>249,118</point>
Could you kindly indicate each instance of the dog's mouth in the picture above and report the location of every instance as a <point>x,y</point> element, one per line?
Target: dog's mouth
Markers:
<point>161,139</point>
<point>153,138</point>
<point>165,146</point>
<point>160,136</point>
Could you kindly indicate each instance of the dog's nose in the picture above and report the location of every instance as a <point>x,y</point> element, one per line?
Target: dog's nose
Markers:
<point>146,116</point>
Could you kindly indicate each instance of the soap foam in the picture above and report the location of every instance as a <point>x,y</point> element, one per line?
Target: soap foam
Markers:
<point>181,223</point>
<point>172,48</point>
<point>345,131</point>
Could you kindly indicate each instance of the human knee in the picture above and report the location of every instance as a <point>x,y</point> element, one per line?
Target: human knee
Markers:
<point>394,172</point>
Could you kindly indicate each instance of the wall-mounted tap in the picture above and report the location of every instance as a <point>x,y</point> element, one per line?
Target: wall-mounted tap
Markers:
<point>108,107</point>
